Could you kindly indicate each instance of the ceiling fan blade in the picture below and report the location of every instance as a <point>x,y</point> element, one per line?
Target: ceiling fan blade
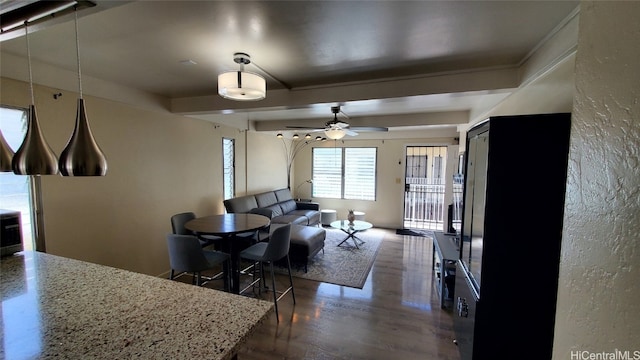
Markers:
<point>369,128</point>
<point>350,132</point>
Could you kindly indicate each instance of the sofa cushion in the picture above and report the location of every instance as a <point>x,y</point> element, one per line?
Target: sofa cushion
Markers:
<point>306,242</point>
<point>283,194</point>
<point>288,206</point>
<point>312,216</point>
<point>242,204</point>
<point>266,199</point>
<point>290,219</point>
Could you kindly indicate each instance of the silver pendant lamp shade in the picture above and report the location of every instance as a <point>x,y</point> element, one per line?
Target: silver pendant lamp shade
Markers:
<point>6,154</point>
<point>82,156</point>
<point>34,156</point>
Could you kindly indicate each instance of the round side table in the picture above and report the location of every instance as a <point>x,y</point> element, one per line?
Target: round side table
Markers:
<point>327,216</point>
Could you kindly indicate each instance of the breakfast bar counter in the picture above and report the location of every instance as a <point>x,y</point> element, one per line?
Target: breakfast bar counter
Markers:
<point>59,307</point>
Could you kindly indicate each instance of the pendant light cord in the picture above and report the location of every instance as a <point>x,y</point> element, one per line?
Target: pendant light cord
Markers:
<point>78,54</point>
<point>26,29</point>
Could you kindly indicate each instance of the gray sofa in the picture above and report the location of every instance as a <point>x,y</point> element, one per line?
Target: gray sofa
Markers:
<point>284,210</point>
<point>307,239</point>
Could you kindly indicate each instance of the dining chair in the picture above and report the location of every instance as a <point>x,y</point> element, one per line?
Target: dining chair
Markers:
<point>177,226</point>
<point>249,238</point>
<point>269,252</point>
<point>187,256</point>
<point>262,234</point>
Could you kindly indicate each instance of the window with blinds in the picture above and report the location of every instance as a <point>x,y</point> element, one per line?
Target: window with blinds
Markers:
<point>345,173</point>
<point>228,167</point>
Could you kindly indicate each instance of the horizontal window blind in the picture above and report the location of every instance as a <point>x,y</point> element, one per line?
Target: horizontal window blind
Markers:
<point>360,173</point>
<point>344,173</point>
<point>327,172</point>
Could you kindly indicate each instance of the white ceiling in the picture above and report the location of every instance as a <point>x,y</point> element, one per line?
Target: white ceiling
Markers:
<point>383,61</point>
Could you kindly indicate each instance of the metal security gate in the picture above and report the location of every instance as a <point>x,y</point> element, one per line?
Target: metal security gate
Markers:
<point>424,206</point>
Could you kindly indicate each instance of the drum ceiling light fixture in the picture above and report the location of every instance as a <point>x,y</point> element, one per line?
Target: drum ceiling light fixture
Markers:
<point>242,85</point>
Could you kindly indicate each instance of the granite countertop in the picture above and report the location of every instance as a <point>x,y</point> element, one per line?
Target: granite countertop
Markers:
<point>58,307</point>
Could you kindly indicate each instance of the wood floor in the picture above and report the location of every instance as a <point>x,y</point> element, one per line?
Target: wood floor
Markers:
<point>396,315</point>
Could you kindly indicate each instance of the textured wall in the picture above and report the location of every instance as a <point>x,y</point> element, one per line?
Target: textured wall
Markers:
<point>598,298</point>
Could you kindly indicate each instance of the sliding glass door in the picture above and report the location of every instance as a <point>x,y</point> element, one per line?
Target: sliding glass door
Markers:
<point>18,192</point>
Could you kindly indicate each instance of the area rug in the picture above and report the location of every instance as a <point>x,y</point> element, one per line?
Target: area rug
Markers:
<point>343,265</point>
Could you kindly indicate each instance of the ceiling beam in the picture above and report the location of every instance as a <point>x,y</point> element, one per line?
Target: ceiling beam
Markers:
<point>421,119</point>
<point>445,83</point>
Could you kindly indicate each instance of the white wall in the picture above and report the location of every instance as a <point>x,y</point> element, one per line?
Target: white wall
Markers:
<point>598,307</point>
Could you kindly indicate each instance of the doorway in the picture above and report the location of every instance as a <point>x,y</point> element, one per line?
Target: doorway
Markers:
<point>18,192</point>
<point>424,187</point>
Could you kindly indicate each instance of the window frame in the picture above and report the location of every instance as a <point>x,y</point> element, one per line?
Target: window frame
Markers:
<point>344,190</point>
<point>231,167</point>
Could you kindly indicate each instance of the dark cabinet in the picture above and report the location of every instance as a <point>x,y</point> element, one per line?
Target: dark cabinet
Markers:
<point>507,278</point>
<point>10,232</point>
<point>445,255</point>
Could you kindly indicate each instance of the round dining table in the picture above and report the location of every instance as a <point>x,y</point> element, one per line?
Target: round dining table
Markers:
<point>227,226</point>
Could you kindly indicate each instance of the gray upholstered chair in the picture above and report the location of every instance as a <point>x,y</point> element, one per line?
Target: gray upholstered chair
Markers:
<point>262,234</point>
<point>187,256</point>
<point>244,240</point>
<point>269,252</point>
<point>177,226</point>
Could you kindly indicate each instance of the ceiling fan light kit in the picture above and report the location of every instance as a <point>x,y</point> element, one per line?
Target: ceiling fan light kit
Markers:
<point>333,129</point>
<point>334,133</point>
<point>242,85</point>
<point>336,129</point>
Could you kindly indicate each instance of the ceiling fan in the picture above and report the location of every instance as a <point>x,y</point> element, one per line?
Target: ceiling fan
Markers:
<point>335,129</point>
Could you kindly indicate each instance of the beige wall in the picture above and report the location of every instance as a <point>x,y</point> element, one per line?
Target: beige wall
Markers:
<point>159,164</point>
<point>598,308</point>
<point>266,163</point>
<point>387,210</point>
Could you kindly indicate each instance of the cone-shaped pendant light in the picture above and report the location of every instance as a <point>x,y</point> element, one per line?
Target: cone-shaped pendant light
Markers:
<point>6,154</point>
<point>34,156</point>
<point>82,156</point>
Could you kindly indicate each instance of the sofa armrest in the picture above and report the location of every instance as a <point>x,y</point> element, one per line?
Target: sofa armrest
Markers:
<point>307,205</point>
<point>241,204</point>
<point>262,211</point>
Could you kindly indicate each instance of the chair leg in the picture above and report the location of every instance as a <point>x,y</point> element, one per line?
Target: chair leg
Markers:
<point>290,279</point>
<point>263,280</point>
<point>275,295</point>
<point>171,274</point>
<point>198,279</point>
<point>257,274</point>
<point>227,275</point>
